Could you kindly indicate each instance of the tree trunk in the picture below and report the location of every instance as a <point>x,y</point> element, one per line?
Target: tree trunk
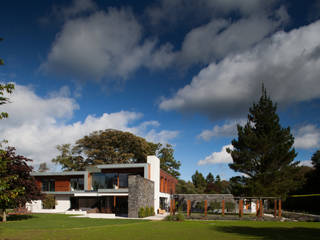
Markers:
<point>4,215</point>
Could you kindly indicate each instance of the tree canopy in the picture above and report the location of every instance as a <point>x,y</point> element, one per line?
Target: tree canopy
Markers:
<point>264,152</point>
<point>114,146</point>
<point>17,186</point>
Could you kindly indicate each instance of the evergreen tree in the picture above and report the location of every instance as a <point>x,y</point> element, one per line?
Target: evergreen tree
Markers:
<point>199,182</point>
<point>264,152</point>
<point>167,161</point>
<point>210,178</point>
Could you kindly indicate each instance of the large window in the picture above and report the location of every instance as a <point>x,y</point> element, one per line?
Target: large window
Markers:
<point>48,185</point>
<point>76,184</point>
<point>109,180</point>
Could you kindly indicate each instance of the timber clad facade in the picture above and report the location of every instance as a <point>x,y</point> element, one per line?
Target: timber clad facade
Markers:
<point>119,189</point>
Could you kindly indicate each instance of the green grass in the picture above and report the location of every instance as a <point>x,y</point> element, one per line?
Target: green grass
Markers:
<point>54,226</point>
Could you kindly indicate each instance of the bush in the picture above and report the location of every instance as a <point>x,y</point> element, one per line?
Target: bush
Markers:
<point>179,217</point>
<point>142,213</point>
<point>152,211</point>
<point>215,205</point>
<point>49,202</point>
<point>230,206</point>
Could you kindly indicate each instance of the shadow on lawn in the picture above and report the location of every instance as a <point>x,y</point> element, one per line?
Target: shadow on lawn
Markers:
<point>18,217</point>
<point>271,233</point>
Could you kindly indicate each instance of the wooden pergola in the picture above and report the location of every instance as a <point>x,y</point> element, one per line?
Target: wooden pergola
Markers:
<point>259,206</point>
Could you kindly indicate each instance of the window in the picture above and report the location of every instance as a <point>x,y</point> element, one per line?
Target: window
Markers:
<point>48,185</point>
<point>123,180</point>
<point>76,184</point>
<point>109,180</point>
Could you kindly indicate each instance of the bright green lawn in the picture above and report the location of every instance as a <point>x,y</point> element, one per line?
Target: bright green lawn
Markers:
<point>49,226</point>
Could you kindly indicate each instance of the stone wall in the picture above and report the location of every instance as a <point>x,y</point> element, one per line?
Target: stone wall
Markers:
<point>141,194</point>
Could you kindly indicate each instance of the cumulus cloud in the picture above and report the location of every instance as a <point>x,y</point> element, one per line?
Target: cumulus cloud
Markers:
<point>37,124</point>
<point>307,137</point>
<point>218,157</point>
<point>287,63</point>
<point>229,129</point>
<point>306,163</point>
<point>104,44</point>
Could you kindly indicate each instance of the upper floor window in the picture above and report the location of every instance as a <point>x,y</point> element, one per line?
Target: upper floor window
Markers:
<point>109,180</point>
<point>48,185</point>
<point>76,184</point>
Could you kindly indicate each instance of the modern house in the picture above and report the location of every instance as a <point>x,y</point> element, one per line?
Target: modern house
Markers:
<point>120,189</point>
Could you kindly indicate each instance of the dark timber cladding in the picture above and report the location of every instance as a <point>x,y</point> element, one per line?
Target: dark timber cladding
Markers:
<point>141,194</point>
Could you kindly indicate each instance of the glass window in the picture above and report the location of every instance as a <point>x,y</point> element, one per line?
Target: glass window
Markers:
<point>48,185</point>
<point>76,184</point>
<point>123,180</point>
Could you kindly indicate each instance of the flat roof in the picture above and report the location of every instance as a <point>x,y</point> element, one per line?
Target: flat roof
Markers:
<point>122,165</point>
<point>71,173</point>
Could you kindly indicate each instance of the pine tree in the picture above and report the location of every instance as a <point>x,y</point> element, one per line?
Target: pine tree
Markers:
<point>263,152</point>
<point>210,178</point>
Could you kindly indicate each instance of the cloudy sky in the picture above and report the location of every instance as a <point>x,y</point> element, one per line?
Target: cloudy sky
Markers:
<point>173,71</point>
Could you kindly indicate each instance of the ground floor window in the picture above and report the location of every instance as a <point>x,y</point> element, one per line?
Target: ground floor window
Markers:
<point>164,203</point>
<point>106,204</point>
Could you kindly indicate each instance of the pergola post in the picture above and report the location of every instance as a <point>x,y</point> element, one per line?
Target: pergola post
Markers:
<point>205,207</point>
<point>174,206</point>
<point>275,208</point>
<point>171,206</point>
<point>188,207</point>
<point>240,207</point>
<point>280,210</point>
<point>261,209</point>
<point>222,212</point>
<point>257,208</point>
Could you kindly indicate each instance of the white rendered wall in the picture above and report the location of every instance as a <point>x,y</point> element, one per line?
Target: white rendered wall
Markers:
<point>63,204</point>
<point>155,177</point>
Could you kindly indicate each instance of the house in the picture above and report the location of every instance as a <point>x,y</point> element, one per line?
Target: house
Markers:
<point>120,189</point>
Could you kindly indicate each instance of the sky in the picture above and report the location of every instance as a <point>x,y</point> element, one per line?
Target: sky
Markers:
<point>172,71</point>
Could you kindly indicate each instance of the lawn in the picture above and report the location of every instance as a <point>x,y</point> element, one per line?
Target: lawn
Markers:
<point>50,226</point>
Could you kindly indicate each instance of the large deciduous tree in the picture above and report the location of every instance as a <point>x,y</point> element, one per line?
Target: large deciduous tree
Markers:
<point>199,181</point>
<point>114,146</point>
<point>264,152</point>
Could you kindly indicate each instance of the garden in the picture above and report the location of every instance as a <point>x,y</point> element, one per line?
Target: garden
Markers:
<point>60,226</point>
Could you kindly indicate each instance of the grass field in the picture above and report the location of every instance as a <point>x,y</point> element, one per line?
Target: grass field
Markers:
<point>50,226</point>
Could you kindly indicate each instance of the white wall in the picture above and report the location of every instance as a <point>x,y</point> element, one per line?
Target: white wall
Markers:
<point>63,204</point>
<point>155,177</point>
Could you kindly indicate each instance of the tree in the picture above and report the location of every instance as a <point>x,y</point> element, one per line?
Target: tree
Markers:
<point>43,167</point>
<point>210,178</point>
<point>263,152</point>
<point>184,187</point>
<point>17,186</point>
<point>4,88</point>
<point>167,160</point>
<point>199,182</point>
<point>114,146</point>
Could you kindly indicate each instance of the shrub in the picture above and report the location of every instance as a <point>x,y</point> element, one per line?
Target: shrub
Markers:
<point>179,217</point>
<point>215,205</point>
<point>49,202</point>
<point>152,211</point>
<point>230,206</point>
<point>169,218</point>
<point>142,213</point>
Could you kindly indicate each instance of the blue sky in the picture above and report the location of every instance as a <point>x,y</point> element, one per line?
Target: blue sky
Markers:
<point>173,71</point>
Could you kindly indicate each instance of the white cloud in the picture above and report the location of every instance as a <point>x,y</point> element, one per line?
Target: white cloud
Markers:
<point>77,7</point>
<point>36,124</point>
<point>229,129</point>
<point>287,63</point>
<point>307,163</point>
<point>102,45</point>
<point>218,157</point>
<point>307,137</point>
